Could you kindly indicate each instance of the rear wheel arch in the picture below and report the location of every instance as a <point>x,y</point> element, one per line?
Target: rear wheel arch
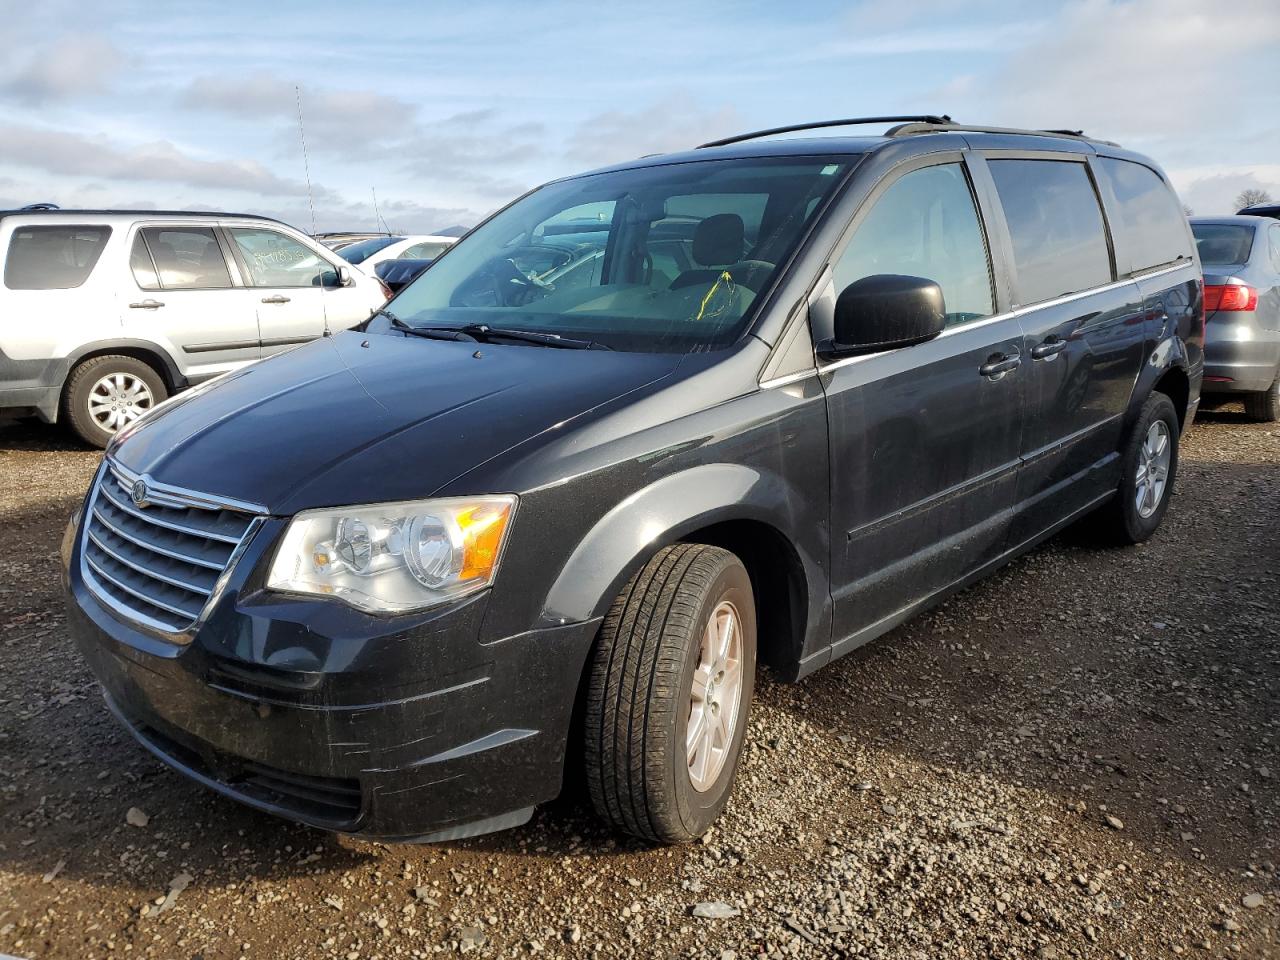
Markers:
<point>153,355</point>
<point>1176,385</point>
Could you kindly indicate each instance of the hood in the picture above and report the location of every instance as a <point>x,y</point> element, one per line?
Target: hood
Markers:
<point>367,418</point>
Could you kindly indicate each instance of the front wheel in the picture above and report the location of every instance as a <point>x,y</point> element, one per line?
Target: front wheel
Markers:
<point>670,692</point>
<point>1150,463</point>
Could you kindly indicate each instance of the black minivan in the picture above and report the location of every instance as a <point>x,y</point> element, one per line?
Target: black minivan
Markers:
<point>638,431</point>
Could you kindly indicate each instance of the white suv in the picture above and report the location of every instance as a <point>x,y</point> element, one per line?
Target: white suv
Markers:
<point>105,313</point>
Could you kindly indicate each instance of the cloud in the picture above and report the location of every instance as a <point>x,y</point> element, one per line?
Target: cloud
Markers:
<point>671,124</point>
<point>1143,68</point>
<point>62,152</point>
<point>1212,191</point>
<point>338,120</point>
<point>470,150</point>
<point>75,65</point>
<point>477,152</point>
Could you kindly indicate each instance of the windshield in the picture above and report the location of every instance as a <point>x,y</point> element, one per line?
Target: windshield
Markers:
<point>666,258</point>
<point>1223,244</point>
<point>364,249</point>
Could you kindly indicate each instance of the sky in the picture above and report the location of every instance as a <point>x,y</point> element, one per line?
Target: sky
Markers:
<point>449,110</point>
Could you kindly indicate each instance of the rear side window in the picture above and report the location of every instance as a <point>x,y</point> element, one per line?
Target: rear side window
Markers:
<point>925,225</point>
<point>184,258</point>
<point>1274,234</point>
<point>1055,222</point>
<point>52,257</point>
<point>1223,244</point>
<point>1149,223</point>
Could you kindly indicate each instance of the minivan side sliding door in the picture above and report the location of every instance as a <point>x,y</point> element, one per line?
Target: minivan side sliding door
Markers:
<point>924,439</point>
<point>1085,335</point>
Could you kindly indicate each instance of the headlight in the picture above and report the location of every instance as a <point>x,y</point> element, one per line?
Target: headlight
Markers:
<point>394,557</point>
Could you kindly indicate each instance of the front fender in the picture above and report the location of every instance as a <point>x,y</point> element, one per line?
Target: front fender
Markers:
<point>666,511</point>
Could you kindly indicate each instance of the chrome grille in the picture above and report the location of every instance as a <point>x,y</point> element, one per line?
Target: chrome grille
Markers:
<point>160,563</point>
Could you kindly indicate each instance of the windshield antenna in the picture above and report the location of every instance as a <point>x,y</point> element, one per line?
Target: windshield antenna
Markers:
<point>311,200</point>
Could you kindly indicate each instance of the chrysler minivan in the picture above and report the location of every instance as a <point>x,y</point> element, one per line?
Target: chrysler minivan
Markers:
<point>638,433</point>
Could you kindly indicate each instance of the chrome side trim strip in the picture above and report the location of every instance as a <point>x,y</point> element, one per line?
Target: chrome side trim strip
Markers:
<point>789,378</point>
<point>985,321</point>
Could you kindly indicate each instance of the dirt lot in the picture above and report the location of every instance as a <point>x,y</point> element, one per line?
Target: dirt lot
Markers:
<point>1079,757</point>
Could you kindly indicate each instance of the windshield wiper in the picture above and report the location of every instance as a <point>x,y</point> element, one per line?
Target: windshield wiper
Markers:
<point>429,333</point>
<point>482,331</point>
<point>488,334</point>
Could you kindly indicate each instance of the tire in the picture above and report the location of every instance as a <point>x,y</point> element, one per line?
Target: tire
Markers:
<point>1122,520</point>
<point>640,696</point>
<point>106,393</point>
<point>1265,406</point>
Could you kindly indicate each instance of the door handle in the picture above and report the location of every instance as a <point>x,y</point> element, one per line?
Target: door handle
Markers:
<point>999,364</point>
<point>276,299</point>
<point>146,305</point>
<point>1051,347</point>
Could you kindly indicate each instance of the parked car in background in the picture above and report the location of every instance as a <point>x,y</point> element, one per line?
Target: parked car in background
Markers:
<point>336,240</point>
<point>810,388</point>
<point>398,274</point>
<point>1241,260</point>
<point>103,314</point>
<point>1262,210</point>
<point>368,254</point>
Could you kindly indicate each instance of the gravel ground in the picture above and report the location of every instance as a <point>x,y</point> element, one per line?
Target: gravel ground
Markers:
<point>1078,757</point>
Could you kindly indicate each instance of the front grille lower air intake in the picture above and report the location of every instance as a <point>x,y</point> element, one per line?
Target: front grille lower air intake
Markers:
<point>154,553</point>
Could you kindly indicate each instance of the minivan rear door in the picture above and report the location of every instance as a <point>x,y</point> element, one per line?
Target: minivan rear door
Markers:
<point>924,439</point>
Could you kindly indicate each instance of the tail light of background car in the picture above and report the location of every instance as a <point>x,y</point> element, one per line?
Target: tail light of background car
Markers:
<point>1230,296</point>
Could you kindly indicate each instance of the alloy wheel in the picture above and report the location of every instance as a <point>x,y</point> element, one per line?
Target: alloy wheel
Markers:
<point>715,698</point>
<point>118,399</point>
<point>1152,476</point>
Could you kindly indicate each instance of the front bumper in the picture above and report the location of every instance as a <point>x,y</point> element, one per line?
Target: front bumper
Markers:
<point>407,728</point>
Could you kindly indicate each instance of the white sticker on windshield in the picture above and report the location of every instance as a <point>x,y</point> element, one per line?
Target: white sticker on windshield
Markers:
<point>829,169</point>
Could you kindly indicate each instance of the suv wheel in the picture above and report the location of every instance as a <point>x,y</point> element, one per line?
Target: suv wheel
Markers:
<point>669,694</point>
<point>1150,463</point>
<point>1264,406</point>
<point>107,393</point>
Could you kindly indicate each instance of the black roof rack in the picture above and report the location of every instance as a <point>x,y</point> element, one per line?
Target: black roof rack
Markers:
<point>850,122</point>
<point>920,126</point>
<point>905,126</point>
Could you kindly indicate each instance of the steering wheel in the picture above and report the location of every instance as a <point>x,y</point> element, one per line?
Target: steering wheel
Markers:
<point>513,287</point>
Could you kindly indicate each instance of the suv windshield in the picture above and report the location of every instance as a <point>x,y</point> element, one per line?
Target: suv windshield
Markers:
<point>667,258</point>
<point>362,250</point>
<point>1223,244</point>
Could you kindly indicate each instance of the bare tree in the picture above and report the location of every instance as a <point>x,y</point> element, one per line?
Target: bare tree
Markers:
<point>1251,196</point>
<point>1186,209</point>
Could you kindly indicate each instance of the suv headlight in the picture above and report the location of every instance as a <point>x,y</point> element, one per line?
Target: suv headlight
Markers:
<point>394,557</point>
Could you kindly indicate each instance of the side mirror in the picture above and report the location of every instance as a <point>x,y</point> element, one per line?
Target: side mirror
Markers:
<point>884,312</point>
<point>344,276</point>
